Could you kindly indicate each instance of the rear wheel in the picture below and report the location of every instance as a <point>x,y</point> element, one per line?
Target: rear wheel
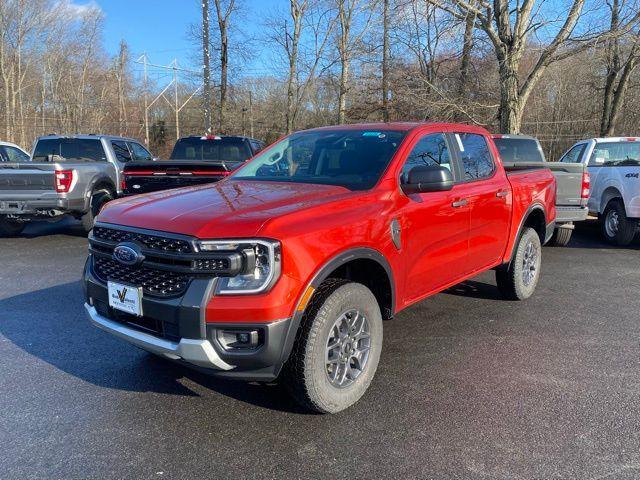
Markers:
<point>98,199</point>
<point>561,237</point>
<point>519,280</point>
<point>337,348</point>
<point>9,227</point>
<point>616,228</point>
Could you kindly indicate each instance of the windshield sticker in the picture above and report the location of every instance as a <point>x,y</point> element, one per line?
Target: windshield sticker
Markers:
<point>374,134</point>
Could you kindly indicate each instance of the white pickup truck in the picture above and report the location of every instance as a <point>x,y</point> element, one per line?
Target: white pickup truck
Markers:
<point>614,167</point>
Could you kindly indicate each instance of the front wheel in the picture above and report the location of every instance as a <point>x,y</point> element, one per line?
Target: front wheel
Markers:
<point>9,227</point>
<point>519,280</point>
<point>337,348</point>
<point>617,229</point>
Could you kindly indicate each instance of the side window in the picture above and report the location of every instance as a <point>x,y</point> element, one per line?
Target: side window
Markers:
<point>121,151</point>
<point>12,154</point>
<point>430,150</point>
<point>139,152</point>
<point>574,155</point>
<point>476,156</point>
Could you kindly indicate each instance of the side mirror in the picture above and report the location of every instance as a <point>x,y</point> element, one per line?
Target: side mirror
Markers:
<point>428,178</point>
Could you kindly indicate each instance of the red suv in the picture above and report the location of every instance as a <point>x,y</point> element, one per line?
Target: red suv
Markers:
<point>287,268</point>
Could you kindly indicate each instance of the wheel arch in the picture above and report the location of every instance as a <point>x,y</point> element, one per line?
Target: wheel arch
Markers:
<point>358,264</point>
<point>610,193</point>
<point>98,182</point>
<point>536,218</point>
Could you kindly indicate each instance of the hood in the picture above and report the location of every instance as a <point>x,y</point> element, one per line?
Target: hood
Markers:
<point>222,210</point>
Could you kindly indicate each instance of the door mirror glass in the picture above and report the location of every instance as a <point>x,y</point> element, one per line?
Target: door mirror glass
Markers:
<point>428,178</point>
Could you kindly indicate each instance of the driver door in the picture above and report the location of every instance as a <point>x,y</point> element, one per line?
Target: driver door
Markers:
<point>435,225</point>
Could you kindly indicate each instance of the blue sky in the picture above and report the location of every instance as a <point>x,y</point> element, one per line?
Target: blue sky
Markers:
<point>159,27</point>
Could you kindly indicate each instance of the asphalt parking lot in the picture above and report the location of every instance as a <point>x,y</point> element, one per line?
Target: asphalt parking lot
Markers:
<point>469,386</point>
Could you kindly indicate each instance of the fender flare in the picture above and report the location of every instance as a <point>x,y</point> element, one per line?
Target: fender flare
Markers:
<point>91,185</point>
<point>532,208</point>
<point>609,193</point>
<point>320,276</point>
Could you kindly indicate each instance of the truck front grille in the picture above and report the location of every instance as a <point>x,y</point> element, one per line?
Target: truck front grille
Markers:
<point>152,242</point>
<point>155,282</point>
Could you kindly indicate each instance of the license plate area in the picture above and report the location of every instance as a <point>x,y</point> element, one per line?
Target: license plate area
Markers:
<point>125,298</point>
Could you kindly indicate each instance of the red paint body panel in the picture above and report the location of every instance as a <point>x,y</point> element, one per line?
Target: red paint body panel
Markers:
<point>441,245</point>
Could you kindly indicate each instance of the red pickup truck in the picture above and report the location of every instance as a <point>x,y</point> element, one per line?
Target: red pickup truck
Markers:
<point>287,268</point>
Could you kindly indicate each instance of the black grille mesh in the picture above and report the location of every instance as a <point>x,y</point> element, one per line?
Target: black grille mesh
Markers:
<point>152,242</point>
<point>153,281</point>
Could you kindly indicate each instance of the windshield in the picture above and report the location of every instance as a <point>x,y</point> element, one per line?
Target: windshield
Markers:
<point>616,153</point>
<point>354,159</point>
<point>69,149</point>
<point>519,150</point>
<point>222,149</point>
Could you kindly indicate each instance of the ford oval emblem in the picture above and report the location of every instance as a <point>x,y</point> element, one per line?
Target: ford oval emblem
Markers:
<point>127,254</point>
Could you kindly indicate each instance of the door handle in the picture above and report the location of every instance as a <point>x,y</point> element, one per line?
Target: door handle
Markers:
<point>502,193</point>
<point>460,203</point>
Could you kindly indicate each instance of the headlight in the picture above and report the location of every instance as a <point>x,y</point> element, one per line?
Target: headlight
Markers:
<point>261,265</point>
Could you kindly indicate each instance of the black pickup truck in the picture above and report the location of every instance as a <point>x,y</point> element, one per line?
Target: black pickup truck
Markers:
<point>193,161</point>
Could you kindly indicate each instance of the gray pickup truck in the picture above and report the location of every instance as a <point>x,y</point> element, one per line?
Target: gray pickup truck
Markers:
<point>66,175</point>
<point>572,180</point>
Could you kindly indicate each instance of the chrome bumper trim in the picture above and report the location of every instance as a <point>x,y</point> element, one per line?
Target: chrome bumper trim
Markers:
<point>196,351</point>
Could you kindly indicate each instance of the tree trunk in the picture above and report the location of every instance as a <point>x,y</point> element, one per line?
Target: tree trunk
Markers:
<point>467,46</point>
<point>613,70</point>
<point>385,61</point>
<point>510,112</point>
<point>206,61</point>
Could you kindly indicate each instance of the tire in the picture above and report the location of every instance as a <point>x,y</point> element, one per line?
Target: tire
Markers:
<point>514,283</point>
<point>561,237</point>
<point>327,387</point>
<point>10,228</point>
<point>98,199</point>
<point>616,228</point>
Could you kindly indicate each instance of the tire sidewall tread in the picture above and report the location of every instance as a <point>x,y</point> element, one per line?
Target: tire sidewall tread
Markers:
<point>305,374</point>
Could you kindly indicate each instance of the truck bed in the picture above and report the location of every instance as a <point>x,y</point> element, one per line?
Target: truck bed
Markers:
<point>144,177</point>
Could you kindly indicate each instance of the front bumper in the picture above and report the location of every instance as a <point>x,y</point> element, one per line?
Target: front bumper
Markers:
<point>198,352</point>
<point>184,335</point>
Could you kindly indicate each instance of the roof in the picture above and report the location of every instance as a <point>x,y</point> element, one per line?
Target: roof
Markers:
<point>616,139</point>
<point>513,135</point>
<point>203,137</point>
<point>90,136</point>
<point>399,126</point>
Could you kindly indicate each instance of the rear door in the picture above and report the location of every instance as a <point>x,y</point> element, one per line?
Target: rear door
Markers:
<point>435,225</point>
<point>486,190</point>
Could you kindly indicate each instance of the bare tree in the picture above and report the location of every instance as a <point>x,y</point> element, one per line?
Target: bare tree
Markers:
<point>385,60</point>
<point>618,71</point>
<point>303,37</point>
<point>348,41</point>
<point>508,28</point>
<point>223,13</point>
<point>206,66</point>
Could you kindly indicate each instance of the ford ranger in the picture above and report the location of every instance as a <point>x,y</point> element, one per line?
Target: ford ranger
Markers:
<point>286,269</point>
<point>67,176</point>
